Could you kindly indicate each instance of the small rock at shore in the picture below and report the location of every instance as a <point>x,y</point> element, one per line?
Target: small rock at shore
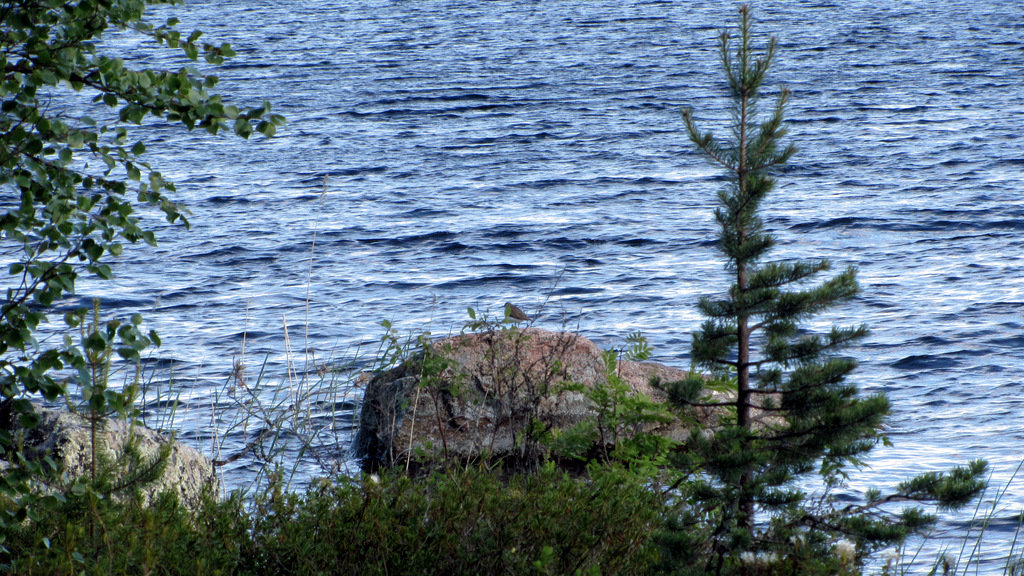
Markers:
<point>65,436</point>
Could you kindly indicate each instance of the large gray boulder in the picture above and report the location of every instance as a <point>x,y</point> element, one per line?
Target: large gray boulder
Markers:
<point>66,437</point>
<point>474,394</point>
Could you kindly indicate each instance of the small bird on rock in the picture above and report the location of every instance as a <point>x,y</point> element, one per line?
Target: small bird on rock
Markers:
<point>514,313</point>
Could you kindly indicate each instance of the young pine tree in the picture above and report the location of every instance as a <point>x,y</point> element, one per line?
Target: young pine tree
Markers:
<point>790,411</point>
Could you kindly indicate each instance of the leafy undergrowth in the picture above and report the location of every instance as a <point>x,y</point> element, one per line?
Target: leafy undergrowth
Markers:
<point>470,521</point>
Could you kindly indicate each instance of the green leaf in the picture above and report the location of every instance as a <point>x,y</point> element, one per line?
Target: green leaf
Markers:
<point>93,250</point>
<point>242,128</point>
<point>267,129</point>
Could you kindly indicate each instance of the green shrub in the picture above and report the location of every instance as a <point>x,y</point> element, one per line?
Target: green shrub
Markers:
<point>81,533</point>
<point>473,521</point>
<point>460,522</point>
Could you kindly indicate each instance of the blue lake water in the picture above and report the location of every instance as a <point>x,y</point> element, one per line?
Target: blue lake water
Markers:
<point>478,152</point>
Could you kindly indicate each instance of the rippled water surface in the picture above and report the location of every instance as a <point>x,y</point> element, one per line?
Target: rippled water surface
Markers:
<point>478,152</point>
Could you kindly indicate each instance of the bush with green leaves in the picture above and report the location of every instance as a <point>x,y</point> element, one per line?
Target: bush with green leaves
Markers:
<point>468,521</point>
<point>72,178</point>
<point>78,533</point>
<point>620,429</point>
<point>71,161</point>
<point>472,521</point>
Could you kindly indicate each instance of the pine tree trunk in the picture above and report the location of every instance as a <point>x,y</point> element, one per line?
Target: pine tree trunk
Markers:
<point>746,517</point>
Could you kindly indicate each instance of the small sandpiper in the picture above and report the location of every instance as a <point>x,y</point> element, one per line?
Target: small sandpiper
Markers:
<point>513,312</point>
